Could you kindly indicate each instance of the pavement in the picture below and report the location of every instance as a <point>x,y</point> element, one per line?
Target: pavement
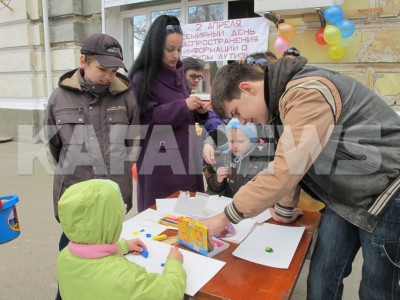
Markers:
<point>28,263</point>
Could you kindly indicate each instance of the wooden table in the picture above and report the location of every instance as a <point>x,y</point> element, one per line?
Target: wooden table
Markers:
<point>241,279</point>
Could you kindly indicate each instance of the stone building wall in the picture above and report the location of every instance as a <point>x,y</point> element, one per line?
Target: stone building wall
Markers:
<point>23,82</point>
<point>373,57</point>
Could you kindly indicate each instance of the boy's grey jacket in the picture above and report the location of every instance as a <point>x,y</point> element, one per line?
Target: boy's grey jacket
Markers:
<point>355,166</point>
<point>87,133</point>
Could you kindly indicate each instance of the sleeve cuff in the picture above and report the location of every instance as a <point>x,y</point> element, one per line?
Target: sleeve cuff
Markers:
<point>283,211</point>
<point>123,247</point>
<point>232,213</point>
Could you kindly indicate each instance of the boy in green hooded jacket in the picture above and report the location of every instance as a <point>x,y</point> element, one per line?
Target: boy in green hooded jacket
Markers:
<point>92,266</point>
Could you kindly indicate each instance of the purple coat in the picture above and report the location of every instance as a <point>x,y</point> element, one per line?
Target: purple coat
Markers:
<point>169,159</point>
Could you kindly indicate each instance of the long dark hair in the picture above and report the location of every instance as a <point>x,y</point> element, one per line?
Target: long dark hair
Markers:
<point>150,58</point>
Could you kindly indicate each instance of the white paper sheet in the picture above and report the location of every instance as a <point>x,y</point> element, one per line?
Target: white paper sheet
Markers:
<point>186,205</point>
<point>199,269</point>
<point>263,217</point>
<point>282,239</point>
<point>214,205</point>
<point>144,223</point>
<point>242,231</point>
<point>166,205</point>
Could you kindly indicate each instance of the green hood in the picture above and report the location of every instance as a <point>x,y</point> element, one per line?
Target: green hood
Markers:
<point>91,212</point>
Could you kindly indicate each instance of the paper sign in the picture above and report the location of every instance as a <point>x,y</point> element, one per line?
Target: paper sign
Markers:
<point>226,39</point>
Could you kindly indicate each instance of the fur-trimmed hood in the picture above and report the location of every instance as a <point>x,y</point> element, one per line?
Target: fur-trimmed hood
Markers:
<point>70,80</point>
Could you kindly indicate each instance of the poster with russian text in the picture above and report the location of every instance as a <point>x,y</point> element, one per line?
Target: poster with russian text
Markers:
<point>225,40</point>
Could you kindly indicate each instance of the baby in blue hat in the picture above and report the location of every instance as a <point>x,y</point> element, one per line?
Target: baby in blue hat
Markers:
<point>241,163</point>
<point>241,138</point>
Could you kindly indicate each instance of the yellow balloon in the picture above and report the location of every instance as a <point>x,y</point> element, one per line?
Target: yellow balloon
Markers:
<point>332,34</point>
<point>287,31</point>
<point>336,51</point>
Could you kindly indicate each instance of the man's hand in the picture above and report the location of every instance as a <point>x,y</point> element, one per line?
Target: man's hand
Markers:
<point>296,212</point>
<point>215,225</point>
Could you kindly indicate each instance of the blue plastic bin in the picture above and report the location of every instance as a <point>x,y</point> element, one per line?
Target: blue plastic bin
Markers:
<point>9,226</point>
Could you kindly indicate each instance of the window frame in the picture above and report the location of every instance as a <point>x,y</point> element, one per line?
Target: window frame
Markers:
<point>183,5</point>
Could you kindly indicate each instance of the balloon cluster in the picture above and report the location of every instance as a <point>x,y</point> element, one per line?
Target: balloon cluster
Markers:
<point>286,32</point>
<point>337,35</point>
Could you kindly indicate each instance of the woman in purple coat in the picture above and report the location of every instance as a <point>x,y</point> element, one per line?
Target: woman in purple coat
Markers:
<point>169,158</point>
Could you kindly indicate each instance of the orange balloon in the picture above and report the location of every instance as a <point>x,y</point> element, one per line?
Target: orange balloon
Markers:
<point>287,31</point>
<point>134,172</point>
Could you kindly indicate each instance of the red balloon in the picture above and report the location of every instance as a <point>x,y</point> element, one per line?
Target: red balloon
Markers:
<point>319,36</point>
<point>134,172</point>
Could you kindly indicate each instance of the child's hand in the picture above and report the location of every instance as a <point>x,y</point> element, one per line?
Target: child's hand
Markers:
<point>135,246</point>
<point>222,173</point>
<point>175,253</point>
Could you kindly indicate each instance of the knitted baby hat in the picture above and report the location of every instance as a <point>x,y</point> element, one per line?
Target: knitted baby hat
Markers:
<point>250,129</point>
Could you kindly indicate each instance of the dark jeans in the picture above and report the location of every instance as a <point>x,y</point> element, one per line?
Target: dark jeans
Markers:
<point>336,247</point>
<point>61,245</point>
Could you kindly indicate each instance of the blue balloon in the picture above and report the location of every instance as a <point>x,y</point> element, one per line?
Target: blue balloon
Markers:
<point>333,14</point>
<point>346,27</point>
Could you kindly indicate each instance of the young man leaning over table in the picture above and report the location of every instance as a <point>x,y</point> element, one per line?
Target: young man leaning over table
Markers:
<point>341,143</point>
